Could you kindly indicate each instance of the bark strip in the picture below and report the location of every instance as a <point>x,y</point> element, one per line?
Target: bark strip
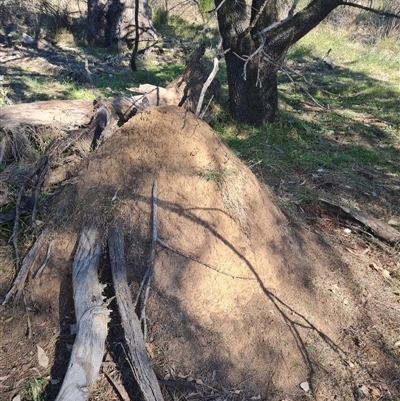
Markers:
<point>142,369</point>
<point>28,262</point>
<point>92,318</point>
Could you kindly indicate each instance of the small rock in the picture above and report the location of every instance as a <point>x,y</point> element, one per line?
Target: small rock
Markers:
<point>375,392</point>
<point>305,386</point>
<point>364,390</point>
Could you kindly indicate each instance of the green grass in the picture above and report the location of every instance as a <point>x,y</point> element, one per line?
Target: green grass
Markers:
<point>357,132</point>
<point>35,389</point>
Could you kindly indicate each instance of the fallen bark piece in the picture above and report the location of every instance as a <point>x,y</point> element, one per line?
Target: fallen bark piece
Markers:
<point>27,264</point>
<point>92,318</point>
<point>378,228</point>
<point>140,362</point>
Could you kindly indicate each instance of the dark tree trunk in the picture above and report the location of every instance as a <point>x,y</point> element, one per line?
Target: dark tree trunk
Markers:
<point>253,100</point>
<point>253,93</point>
<point>111,22</point>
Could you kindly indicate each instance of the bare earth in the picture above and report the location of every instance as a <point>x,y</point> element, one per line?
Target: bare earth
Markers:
<point>277,306</point>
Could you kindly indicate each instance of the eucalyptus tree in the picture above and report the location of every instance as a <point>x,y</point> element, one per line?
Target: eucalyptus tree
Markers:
<point>255,42</point>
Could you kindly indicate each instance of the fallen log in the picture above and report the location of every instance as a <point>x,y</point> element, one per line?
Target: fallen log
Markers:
<point>92,318</point>
<point>72,114</point>
<point>142,370</point>
<point>375,226</point>
<point>57,113</point>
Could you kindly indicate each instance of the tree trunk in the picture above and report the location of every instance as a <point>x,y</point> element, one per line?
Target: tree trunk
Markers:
<point>253,100</point>
<point>111,22</point>
<point>253,93</point>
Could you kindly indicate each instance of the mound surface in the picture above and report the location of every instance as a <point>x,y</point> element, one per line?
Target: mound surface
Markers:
<point>243,322</point>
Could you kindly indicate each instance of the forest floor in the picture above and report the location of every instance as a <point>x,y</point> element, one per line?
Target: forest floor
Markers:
<point>326,323</point>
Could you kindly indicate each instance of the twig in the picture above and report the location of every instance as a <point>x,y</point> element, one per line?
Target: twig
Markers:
<point>195,259</point>
<point>303,88</point>
<point>27,316</point>
<point>254,22</point>
<point>48,253</point>
<point>27,263</point>
<point>14,235</point>
<point>120,390</point>
<point>89,74</point>
<point>39,185</point>
<point>176,383</point>
<point>370,9</point>
<point>202,114</point>
<point>150,268</point>
<point>279,66</point>
<point>148,271</point>
<point>278,23</point>
<point>213,13</point>
<point>210,78</point>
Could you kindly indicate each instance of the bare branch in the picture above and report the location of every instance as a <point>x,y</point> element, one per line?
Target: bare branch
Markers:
<point>254,22</point>
<point>285,71</point>
<point>151,261</point>
<point>370,9</point>
<point>291,11</point>
<point>217,58</point>
<point>213,13</point>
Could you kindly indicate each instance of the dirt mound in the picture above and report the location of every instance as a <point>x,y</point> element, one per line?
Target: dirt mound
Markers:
<point>233,307</point>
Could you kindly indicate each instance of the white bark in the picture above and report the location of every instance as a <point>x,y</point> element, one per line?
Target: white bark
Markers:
<point>92,318</point>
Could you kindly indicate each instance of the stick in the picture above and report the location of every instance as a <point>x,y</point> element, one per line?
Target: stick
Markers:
<point>151,261</point>
<point>153,244</point>
<point>14,236</point>
<point>142,369</point>
<point>39,185</point>
<point>27,263</point>
<point>120,390</point>
<point>39,271</point>
<point>209,79</point>
<point>195,259</point>
<point>27,316</point>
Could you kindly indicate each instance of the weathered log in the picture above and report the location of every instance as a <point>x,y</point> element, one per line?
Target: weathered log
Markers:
<point>68,114</point>
<point>91,316</point>
<point>57,113</point>
<point>375,226</point>
<point>142,369</point>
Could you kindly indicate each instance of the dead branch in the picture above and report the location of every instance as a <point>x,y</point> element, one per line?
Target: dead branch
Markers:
<point>378,228</point>
<point>210,78</point>
<point>29,261</point>
<point>150,268</point>
<point>91,316</point>
<point>254,21</point>
<point>120,389</point>
<point>38,187</point>
<point>28,318</point>
<point>46,259</point>
<point>40,166</point>
<point>372,10</point>
<point>142,369</point>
